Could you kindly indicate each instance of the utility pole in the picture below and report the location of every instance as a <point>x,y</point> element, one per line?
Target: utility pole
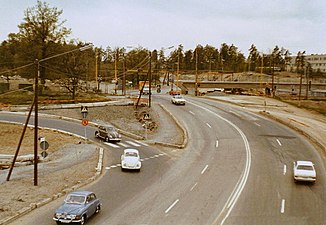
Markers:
<point>196,81</point>
<point>36,123</point>
<point>150,79</point>
<point>178,69</point>
<point>273,89</point>
<point>124,75</point>
<point>115,72</point>
<point>96,68</point>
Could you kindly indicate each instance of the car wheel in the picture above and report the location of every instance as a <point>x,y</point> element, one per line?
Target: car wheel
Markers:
<point>82,220</point>
<point>107,139</point>
<point>98,209</point>
<point>58,222</point>
<point>96,134</point>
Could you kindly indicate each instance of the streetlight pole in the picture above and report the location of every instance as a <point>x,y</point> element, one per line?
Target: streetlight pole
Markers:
<point>36,105</point>
<point>178,69</point>
<point>196,82</point>
<point>116,71</point>
<point>150,79</point>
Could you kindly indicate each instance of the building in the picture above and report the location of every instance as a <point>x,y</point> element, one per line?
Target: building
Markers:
<point>317,62</point>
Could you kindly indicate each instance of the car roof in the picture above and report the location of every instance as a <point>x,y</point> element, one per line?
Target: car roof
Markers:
<point>306,163</point>
<point>83,193</point>
<point>131,150</point>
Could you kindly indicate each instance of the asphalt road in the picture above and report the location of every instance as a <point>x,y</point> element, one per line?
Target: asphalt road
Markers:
<point>236,169</point>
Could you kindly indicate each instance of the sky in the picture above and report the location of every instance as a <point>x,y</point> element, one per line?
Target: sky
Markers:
<point>296,25</point>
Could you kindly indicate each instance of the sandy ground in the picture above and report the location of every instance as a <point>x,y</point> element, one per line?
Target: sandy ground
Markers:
<point>77,163</point>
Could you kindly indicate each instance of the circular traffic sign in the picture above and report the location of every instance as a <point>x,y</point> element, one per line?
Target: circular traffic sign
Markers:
<point>85,122</point>
<point>44,154</point>
<point>44,145</point>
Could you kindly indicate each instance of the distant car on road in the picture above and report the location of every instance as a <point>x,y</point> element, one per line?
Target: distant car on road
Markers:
<point>146,90</point>
<point>78,206</point>
<point>130,159</point>
<point>304,171</point>
<point>178,100</point>
<point>108,133</point>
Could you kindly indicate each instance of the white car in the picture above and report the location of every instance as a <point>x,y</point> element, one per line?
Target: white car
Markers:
<point>304,171</point>
<point>130,159</point>
<point>178,100</point>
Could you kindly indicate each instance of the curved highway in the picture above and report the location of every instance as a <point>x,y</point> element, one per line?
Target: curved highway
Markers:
<point>235,169</point>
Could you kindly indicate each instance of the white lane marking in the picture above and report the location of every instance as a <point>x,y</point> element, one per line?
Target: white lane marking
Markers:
<point>192,113</point>
<point>133,143</point>
<point>257,124</point>
<point>142,143</point>
<point>216,144</point>
<point>171,206</point>
<point>203,171</point>
<point>192,188</point>
<point>283,206</point>
<point>284,170</point>
<point>123,144</point>
<point>208,125</point>
<point>112,145</point>
<point>113,166</point>
<point>278,141</point>
<point>233,198</point>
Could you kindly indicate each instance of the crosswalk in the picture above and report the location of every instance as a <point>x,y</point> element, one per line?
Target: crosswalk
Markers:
<point>126,144</point>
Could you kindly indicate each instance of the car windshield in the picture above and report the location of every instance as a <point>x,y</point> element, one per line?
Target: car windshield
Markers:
<point>304,167</point>
<point>178,97</point>
<point>132,154</point>
<point>111,129</point>
<point>75,199</point>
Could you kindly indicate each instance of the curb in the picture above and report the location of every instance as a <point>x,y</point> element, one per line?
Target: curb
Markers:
<point>43,202</point>
<point>184,131</point>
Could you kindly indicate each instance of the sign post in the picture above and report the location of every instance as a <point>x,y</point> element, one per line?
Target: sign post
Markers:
<point>84,112</point>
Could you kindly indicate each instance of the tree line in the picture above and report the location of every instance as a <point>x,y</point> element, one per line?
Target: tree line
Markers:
<point>42,34</point>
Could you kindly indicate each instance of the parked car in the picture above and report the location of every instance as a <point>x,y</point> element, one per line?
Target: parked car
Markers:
<point>78,206</point>
<point>130,159</point>
<point>178,100</point>
<point>304,171</point>
<point>108,133</point>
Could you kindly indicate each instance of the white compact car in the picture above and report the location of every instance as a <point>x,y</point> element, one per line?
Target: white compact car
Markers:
<point>304,171</point>
<point>130,159</point>
<point>178,100</point>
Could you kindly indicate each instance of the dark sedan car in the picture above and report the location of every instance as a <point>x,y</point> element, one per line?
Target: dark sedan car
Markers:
<point>77,207</point>
<point>108,133</point>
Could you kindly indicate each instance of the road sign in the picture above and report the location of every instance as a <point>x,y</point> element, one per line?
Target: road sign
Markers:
<point>44,145</point>
<point>146,116</point>
<point>85,122</point>
<point>84,111</point>
<point>44,154</point>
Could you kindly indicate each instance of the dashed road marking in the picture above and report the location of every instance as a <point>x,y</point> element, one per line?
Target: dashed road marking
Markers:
<point>171,206</point>
<point>284,170</point>
<point>193,187</point>
<point>123,144</point>
<point>283,206</point>
<point>203,171</point>
<point>278,141</point>
<point>142,143</point>
<point>208,125</point>
<point>112,145</point>
<point>133,143</point>
<point>192,113</point>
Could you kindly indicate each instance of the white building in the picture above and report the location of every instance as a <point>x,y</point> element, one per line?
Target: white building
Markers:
<point>316,61</point>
